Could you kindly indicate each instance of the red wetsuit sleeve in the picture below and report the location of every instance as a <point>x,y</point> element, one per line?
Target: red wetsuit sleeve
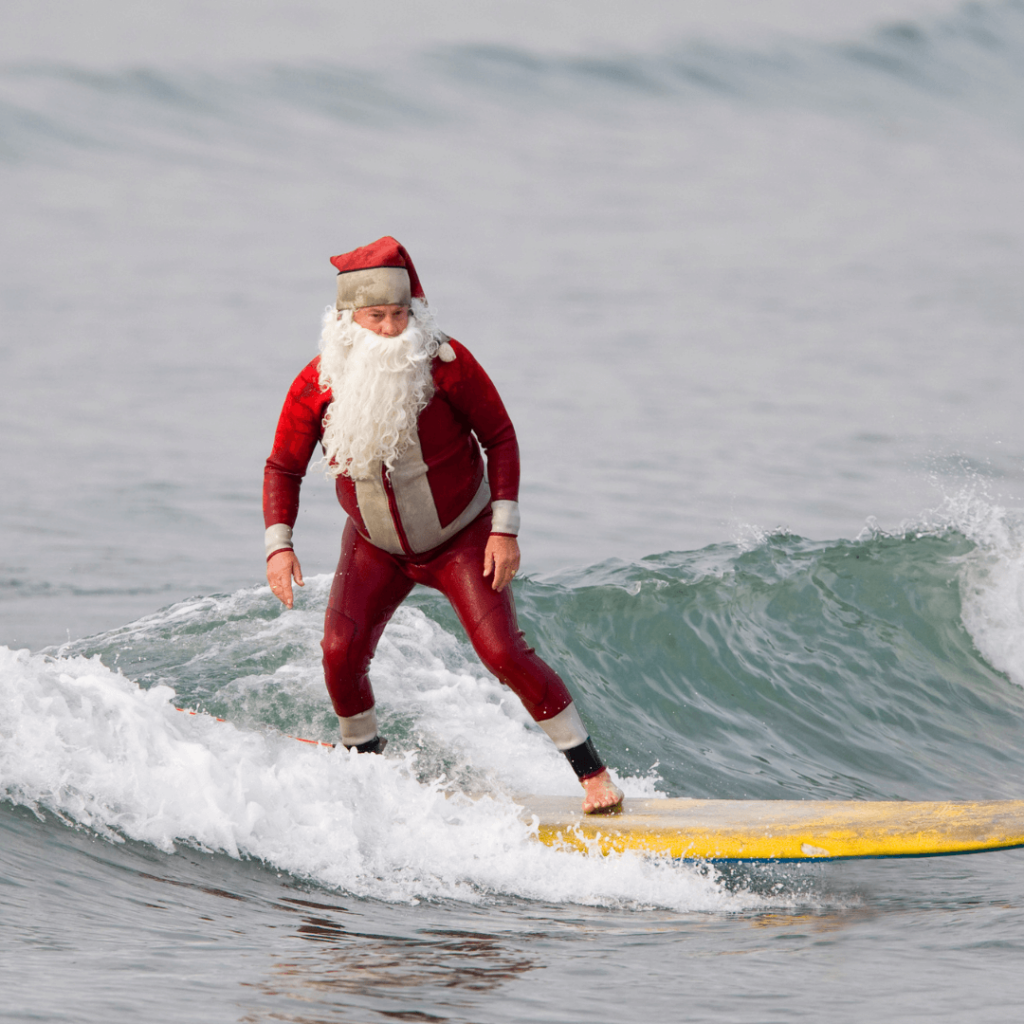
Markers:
<point>474,397</point>
<point>299,430</point>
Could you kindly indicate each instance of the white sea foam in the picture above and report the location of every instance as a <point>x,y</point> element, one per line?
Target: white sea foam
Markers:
<point>992,579</point>
<point>92,747</point>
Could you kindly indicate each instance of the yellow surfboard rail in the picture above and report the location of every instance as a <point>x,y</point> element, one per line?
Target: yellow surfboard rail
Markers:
<point>780,830</point>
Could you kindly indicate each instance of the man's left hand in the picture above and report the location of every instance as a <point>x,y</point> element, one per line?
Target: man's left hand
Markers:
<point>501,557</point>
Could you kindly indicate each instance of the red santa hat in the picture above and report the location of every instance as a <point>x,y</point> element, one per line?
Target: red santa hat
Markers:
<point>378,274</point>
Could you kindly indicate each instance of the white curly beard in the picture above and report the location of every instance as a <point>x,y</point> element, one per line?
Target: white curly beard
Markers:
<point>379,387</point>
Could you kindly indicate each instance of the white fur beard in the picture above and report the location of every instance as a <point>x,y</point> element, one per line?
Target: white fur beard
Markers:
<point>379,387</point>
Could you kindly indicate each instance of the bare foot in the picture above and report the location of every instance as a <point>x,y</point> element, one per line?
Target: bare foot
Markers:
<point>602,796</point>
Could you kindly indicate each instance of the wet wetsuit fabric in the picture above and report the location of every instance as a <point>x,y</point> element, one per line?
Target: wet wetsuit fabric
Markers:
<point>373,578</point>
<point>370,584</point>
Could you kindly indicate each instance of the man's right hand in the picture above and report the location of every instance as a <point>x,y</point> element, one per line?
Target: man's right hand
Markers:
<point>281,569</point>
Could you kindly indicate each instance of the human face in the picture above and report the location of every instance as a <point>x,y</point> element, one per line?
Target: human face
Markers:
<point>387,321</point>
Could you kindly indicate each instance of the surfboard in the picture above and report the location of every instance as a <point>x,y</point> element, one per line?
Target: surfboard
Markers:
<point>298,739</point>
<point>780,830</point>
<point>771,830</point>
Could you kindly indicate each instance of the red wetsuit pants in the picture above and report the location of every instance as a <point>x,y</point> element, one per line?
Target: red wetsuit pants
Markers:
<point>370,584</point>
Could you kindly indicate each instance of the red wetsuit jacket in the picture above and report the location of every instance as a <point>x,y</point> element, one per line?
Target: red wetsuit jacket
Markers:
<point>437,486</point>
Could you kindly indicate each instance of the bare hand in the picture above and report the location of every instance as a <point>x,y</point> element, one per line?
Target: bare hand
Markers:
<point>501,556</point>
<point>281,569</point>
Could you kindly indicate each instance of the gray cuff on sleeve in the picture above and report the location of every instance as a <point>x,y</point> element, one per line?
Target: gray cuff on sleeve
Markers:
<point>566,729</point>
<point>278,536</point>
<point>505,517</point>
<point>359,728</point>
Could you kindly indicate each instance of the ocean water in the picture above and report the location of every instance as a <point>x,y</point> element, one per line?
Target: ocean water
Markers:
<point>749,283</point>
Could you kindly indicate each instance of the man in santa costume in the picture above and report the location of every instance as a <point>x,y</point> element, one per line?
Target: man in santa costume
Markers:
<point>401,411</point>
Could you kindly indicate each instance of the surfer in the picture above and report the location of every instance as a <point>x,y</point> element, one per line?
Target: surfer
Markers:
<point>401,411</point>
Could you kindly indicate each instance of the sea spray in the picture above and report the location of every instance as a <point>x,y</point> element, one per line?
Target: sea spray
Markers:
<point>992,576</point>
<point>88,745</point>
